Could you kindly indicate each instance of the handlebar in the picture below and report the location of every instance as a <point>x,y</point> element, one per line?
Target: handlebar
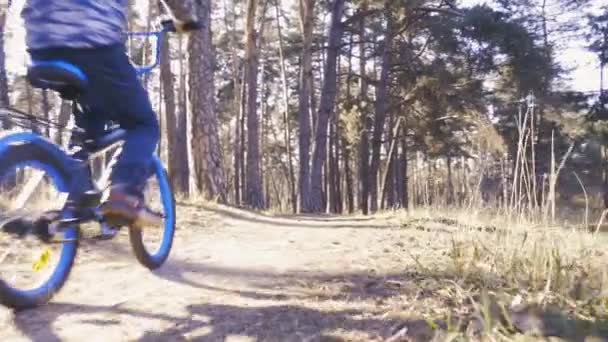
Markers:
<point>167,26</point>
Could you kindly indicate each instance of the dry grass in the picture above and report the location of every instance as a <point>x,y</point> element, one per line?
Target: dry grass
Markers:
<point>503,280</point>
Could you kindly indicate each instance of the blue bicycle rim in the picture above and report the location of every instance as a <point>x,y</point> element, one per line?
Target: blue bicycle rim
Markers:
<point>68,248</point>
<point>168,211</point>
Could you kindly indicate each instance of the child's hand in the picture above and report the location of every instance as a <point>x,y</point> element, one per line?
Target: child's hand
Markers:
<point>187,26</point>
<point>181,26</point>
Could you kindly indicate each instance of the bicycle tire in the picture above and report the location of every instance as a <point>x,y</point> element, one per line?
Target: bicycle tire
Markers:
<point>154,260</point>
<point>42,154</point>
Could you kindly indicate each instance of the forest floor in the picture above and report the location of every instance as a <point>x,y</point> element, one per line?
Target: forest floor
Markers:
<point>239,276</point>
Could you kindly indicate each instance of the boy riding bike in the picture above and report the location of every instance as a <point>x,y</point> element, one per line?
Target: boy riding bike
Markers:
<point>90,34</point>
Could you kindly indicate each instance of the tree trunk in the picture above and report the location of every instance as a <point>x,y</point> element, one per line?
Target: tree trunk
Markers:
<point>364,122</point>
<point>604,156</point>
<point>30,107</point>
<point>330,174</point>
<point>265,136</point>
<point>209,175</point>
<point>403,167</point>
<point>65,111</point>
<point>348,174</point>
<point>388,192</point>
<point>326,105</point>
<point>380,115</point>
<point>242,146</point>
<point>238,106</point>
<point>337,180</point>
<point>391,157</point>
<point>335,150</point>
<point>254,196</point>
<point>286,121</point>
<point>450,187</point>
<point>239,142</point>
<point>46,110</point>
<point>345,145</point>
<point>181,128</point>
<point>168,97</point>
<point>237,159</point>
<point>161,122</point>
<point>4,99</point>
<point>306,21</point>
<point>146,57</point>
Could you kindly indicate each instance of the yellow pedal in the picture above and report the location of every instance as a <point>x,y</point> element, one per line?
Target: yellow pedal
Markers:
<point>42,260</point>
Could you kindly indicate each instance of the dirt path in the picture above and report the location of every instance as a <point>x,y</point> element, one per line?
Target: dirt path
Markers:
<point>235,276</point>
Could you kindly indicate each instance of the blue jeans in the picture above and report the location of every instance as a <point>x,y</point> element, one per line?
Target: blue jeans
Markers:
<point>114,93</point>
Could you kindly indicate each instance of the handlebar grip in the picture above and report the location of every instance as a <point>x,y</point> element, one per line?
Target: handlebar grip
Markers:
<point>192,26</point>
<point>169,26</point>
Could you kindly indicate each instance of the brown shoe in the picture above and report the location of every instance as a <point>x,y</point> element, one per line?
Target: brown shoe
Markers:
<point>124,208</point>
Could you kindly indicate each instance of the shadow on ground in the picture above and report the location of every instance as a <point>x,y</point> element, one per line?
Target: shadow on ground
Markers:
<point>284,307</point>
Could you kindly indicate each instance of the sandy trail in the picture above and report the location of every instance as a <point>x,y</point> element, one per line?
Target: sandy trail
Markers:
<point>235,276</point>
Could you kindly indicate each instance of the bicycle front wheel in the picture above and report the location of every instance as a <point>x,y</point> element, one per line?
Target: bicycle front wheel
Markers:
<point>152,246</point>
<point>33,181</point>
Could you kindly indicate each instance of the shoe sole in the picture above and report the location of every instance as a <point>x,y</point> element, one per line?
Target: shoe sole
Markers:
<point>119,215</point>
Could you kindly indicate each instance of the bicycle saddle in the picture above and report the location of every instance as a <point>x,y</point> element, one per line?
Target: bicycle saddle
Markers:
<point>57,75</point>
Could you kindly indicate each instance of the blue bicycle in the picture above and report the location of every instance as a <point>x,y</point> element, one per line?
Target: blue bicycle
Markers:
<point>41,221</point>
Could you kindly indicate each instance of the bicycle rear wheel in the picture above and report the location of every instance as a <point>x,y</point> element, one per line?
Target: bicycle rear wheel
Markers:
<point>152,246</point>
<point>32,182</point>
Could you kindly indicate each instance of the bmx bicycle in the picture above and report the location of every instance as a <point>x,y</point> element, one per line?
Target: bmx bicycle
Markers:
<point>42,217</point>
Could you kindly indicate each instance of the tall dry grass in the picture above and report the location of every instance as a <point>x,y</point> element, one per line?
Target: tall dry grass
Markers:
<point>542,277</point>
<point>543,267</point>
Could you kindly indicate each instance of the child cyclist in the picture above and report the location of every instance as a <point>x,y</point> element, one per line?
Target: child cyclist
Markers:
<point>90,34</point>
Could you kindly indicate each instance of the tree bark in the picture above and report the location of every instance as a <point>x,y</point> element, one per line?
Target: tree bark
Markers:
<point>264,137</point>
<point>168,97</point>
<point>254,196</point>
<point>403,167</point>
<point>65,111</point>
<point>326,105</point>
<point>4,99</point>
<point>450,187</point>
<point>239,142</point>
<point>345,145</point>
<point>390,159</point>
<point>242,146</point>
<point>238,105</point>
<point>364,121</point>
<point>330,174</point>
<point>46,110</point>
<point>286,121</point>
<point>209,175</point>
<point>181,128</point>
<point>337,180</point>
<point>380,115</point>
<point>388,193</point>
<point>306,23</point>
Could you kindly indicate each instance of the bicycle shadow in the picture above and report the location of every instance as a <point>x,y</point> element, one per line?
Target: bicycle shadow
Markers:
<point>37,324</point>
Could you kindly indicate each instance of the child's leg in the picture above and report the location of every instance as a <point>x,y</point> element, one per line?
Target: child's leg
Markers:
<point>134,113</point>
<point>114,92</point>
